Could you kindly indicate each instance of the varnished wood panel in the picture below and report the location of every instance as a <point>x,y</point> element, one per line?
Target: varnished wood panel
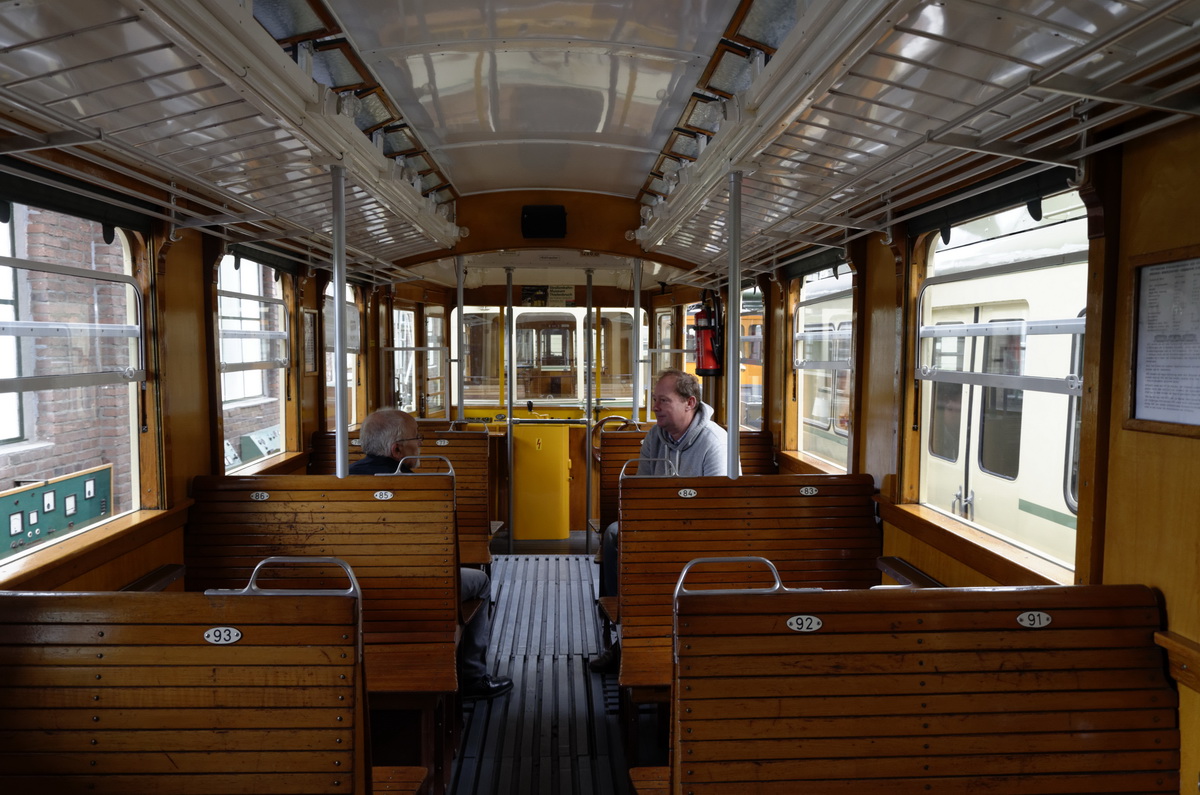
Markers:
<point>926,689</point>
<point>823,539</point>
<point>1151,534</point>
<point>123,693</point>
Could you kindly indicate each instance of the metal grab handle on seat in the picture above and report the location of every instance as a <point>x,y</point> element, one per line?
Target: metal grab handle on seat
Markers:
<point>776,588</point>
<point>408,458</point>
<point>674,473</point>
<point>253,589</point>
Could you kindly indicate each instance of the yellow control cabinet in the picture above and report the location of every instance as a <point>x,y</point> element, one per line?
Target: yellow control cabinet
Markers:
<point>541,481</point>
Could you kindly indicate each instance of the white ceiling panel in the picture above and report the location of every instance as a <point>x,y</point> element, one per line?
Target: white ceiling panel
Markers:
<point>553,81</point>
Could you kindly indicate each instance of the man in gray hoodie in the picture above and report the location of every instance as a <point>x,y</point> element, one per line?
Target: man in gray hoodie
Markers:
<point>685,441</point>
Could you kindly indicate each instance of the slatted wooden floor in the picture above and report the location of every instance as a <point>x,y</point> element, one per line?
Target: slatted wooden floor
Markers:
<point>557,732</point>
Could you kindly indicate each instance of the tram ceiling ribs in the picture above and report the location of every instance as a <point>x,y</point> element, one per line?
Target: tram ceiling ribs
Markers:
<point>921,99</point>
<point>193,107</point>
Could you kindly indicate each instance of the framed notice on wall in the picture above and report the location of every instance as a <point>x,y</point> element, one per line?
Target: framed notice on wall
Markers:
<point>310,341</point>
<point>1166,377</point>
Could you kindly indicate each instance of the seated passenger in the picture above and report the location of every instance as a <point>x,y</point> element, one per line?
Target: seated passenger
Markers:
<point>686,442</point>
<point>388,436</point>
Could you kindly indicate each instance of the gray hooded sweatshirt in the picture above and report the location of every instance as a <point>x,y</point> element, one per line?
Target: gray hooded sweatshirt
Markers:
<point>703,450</point>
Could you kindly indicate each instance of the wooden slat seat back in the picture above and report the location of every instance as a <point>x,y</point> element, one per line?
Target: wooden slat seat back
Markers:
<point>468,452</point>
<point>121,693</point>
<point>1007,691</point>
<point>756,452</point>
<point>616,447</point>
<point>322,455</point>
<point>396,532</point>
<point>819,530</point>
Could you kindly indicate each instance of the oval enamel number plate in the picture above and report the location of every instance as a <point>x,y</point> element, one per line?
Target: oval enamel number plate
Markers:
<point>384,495</point>
<point>808,491</point>
<point>1034,619</point>
<point>259,496</point>
<point>442,442</point>
<point>223,636</point>
<point>805,623</point>
<point>687,493</point>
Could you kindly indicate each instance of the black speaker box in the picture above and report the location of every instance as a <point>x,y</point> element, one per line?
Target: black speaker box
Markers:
<point>543,221</point>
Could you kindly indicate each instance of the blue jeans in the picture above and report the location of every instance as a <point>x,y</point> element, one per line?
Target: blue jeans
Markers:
<point>472,651</point>
<point>608,571</point>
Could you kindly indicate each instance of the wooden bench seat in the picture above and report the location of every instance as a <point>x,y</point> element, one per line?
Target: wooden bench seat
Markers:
<point>468,453</point>
<point>121,693</point>
<point>756,453</point>
<point>820,530</point>
<point>827,539</point>
<point>1000,690</point>
<point>397,532</point>
<point>616,447</point>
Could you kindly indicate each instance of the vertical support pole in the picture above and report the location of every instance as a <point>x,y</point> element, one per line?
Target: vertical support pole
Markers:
<point>510,338</point>
<point>636,405</point>
<point>589,380</point>
<point>460,271</point>
<point>337,179</point>
<point>733,325</point>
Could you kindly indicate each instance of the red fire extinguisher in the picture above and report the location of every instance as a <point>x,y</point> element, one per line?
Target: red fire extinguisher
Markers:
<point>708,337</point>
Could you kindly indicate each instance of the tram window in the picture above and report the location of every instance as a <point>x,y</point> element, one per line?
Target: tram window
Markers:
<point>689,337</point>
<point>821,350</point>
<point>435,353</point>
<point>483,360</point>
<point>945,421</point>
<point>404,360</point>
<point>664,338</point>
<point>998,323</point>
<point>352,350</point>
<point>1000,418</point>
<point>1074,426</point>
<point>615,359</point>
<point>12,422</point>
<point>71,359</point>
<point>547,354</point>
<point>252,323</point>
<point>751,340</point>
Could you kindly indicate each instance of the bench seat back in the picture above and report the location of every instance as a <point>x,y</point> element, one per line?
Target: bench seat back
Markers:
<point>756,453</point>
<point>122,693</point>
<point>819,529</point>
<point>396,532</point>
<point>616,448</point>
<point>467,451</point>
<point>998,690</point>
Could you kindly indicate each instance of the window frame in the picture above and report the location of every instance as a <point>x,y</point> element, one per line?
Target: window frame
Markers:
<point>231,460</point>
<point>142,490</point>
<point>1008,543</point>
<point>835,339</point>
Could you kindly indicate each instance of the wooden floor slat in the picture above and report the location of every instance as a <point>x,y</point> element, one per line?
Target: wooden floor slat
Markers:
<point>557,732</point>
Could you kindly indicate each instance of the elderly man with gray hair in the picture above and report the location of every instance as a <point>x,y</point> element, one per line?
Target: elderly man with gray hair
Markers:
<point>388,437</point>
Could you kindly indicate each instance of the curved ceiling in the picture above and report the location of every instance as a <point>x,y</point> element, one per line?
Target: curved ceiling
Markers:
<point>840,118</point>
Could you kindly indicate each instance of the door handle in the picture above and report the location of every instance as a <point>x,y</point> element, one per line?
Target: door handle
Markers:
<point>968,506</point>
<point>956,501</point>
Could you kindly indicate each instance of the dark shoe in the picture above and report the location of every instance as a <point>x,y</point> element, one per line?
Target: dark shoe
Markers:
<point>486,687</point>
<point>607,661</point>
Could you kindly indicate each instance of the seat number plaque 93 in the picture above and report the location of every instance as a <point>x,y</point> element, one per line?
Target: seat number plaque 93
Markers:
<point>223,636</point>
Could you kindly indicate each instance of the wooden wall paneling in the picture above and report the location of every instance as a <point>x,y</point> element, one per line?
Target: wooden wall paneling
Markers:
<point>878,377</point>
<point>1151,532</point>
<point>185,364</point>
